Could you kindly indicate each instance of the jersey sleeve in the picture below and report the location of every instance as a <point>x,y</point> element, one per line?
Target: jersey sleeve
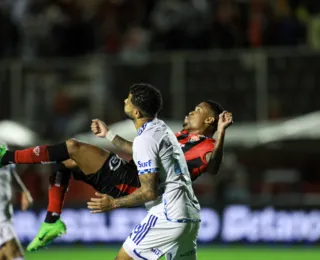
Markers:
<point>146,155</point>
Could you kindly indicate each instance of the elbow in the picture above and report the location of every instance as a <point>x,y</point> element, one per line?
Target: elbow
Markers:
<point>151,195</point>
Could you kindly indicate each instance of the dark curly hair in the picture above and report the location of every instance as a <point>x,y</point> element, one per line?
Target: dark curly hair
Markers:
<point>217,109</point>
<point>146,98</point>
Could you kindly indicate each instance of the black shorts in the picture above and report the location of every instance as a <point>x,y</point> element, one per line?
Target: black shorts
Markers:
<point>116,177</point>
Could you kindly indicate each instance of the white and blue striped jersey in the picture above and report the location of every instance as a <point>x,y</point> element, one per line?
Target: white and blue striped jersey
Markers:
<point>156,149</point>
<point>6,209</point>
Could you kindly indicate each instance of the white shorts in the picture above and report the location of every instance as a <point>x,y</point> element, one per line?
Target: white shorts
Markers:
<point>156,236</point>
<point>7,232</point>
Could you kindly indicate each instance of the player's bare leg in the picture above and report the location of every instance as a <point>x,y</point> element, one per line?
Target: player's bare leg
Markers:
<point>123,255</point>
<point>2,254</point>
<point>89,159</point>
<point>13,250</point>
<point>70,164</point>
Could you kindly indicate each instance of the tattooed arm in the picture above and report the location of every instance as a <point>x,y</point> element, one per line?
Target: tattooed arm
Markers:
<point>147,192</point>
<point>122,144</point>
<point>147,159</point>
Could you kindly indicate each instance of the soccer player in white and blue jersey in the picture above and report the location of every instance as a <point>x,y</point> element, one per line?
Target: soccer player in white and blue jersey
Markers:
<point>10,247</point>
<point>172,223</point>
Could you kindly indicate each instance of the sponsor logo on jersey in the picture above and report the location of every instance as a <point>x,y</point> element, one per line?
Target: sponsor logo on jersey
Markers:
<point>144,164</point>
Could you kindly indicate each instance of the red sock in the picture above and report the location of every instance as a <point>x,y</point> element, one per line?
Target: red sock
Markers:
<point>38,154</point>
<point>56,198</point>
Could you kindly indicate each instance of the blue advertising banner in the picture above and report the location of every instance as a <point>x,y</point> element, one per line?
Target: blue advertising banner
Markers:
<point>230,224</point>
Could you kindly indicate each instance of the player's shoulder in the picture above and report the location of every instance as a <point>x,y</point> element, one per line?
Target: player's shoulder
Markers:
<point>158,130</point>
<point>146,138</point>
<point>153,132</point>
<point>210,139</point>
<point>209,142</point>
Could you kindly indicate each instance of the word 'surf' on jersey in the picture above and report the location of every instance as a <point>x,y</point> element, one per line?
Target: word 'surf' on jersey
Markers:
<point>195,148</point>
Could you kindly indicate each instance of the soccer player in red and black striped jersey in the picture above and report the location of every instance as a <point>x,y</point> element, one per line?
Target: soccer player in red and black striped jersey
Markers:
<point>109,174</point>
<point>202,152</point>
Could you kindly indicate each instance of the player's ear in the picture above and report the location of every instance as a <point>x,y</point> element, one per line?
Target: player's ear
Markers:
<point>137,114</point>
<point>209,120</point>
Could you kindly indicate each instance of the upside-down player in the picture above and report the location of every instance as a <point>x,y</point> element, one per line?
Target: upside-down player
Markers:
<point>109,174</point>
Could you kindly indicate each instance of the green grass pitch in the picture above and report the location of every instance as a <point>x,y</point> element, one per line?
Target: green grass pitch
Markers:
<point>208,253</point>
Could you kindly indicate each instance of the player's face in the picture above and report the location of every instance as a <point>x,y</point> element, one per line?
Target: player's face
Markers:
<point>129,108</point>
<point>197,118</point>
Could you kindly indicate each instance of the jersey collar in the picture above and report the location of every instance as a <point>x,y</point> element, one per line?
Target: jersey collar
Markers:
<point>144,126</point>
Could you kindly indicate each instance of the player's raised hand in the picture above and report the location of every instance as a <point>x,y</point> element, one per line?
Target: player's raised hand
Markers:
<point>26,200</point>
<point>225,120</point>
<point>103,203</point>
<point>99,128</point>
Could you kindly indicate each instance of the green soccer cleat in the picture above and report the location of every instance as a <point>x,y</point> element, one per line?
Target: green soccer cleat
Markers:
<point>3,150</point>
<point>48,232</point>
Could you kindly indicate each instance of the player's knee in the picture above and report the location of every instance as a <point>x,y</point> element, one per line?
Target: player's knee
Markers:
<point>73,146</point>
<point>13,250</point>
<point>2,255</point>
<point>122,255</point>
<point>70,164</point>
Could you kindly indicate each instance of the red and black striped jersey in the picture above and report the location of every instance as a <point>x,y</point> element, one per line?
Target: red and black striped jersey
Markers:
<point>195,148</point>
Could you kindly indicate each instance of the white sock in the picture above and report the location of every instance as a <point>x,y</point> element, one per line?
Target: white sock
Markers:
<point>18,258</point>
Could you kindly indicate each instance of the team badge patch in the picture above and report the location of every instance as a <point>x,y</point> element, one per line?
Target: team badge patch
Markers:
<point>114,163</point>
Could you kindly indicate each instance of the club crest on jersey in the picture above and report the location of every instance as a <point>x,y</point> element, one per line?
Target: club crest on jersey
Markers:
<point>114,163</point>
<point>194,139</point>
<point>144,164</point>
<point>36,151</point>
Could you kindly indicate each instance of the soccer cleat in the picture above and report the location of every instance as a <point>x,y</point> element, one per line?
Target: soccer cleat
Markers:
<point>3,150</point>
<point>47,233</point>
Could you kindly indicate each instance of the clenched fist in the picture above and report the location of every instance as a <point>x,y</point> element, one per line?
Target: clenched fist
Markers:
<point>99,128</point>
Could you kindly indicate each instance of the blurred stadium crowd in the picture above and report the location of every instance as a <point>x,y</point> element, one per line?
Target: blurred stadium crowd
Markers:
<point>32,28</point>
<point>58,100</point>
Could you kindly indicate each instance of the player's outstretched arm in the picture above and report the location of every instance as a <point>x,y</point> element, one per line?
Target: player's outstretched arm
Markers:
<point>26,198</point>
<point>215,158</point>
<point>100,129</point>
<point>147,192</point>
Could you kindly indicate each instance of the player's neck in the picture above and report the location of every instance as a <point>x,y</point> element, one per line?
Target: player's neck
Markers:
<point>200,132</point>
<point>138,123</point>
